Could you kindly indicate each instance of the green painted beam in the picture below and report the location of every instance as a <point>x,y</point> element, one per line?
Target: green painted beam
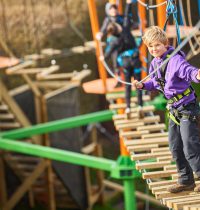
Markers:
<point>58,125</point>
<point>57,154</point>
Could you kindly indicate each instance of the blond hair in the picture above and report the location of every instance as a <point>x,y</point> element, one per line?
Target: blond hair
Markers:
<point>154,33</point>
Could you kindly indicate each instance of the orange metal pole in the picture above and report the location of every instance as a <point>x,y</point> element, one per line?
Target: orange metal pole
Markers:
<point>123,149</point>
<point>120,7</point>
<point>95,29</point>
<point>161,11</point>
<point>143,49</point>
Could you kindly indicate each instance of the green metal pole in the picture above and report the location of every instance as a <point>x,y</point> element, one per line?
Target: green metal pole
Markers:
<point>57,154</point>
<point>58,125</point>
<point>129,195</point>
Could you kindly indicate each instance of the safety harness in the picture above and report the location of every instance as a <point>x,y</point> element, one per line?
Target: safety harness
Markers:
<point>161,81</point>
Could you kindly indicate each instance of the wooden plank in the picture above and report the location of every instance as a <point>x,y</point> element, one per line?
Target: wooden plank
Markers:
<point>152,165</point>
<point>3,107</point>
<point>165,200</point>
<point>144,109</point>
<point>134,112</point>
<point>61,90</point>
<point>130,126</point>
<point>25,64</point>
<point>51,51</point>
<point>148,155</point>
<point>129,134</point>
<point>166,158</point>
<point>30,71</point>
<point>166,194</point>
<point>89,148</point>
<point>161,183</point>
<point>115,96</point>
<point>155,135</point>
<point>170,167</point>
<point>186,201</point>
<point>144,98</point>
<point>123,116</point>
<point>160,149</point>
<point>81,75</point>
<point>148,119</point>
<point>7,116</point>
<point>181,200</point>
<point>160,188</point>
<point>7,125</point>
<point>158,174</point>
<point>159,141</point>
<point>66,76</point>
<point>47,71</point>
<point>121,106</point>
<point>142,148</point>
<point>155,127</point>
<point>192,207</point>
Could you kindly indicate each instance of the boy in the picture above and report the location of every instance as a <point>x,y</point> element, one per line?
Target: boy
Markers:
<point>125,53</point>
<point>175,83</point>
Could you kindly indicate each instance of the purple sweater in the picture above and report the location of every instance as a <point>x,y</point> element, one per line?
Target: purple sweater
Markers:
<point>179,75</point>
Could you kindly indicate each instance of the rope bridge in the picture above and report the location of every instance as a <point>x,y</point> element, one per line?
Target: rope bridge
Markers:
<point>146,140</point>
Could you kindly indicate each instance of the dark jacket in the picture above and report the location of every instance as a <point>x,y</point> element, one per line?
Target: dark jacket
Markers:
<point>125,41</point>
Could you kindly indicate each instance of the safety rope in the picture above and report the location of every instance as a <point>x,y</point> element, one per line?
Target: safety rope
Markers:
<point>184,22</point>
<point>172,10</point>
<point>190,20</point>
<point>183,43</point>
<point>151,6</point>
<point>108,68</point>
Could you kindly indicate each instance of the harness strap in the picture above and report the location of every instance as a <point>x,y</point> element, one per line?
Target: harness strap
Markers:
<point>178,97</point>
<point>173,118</point>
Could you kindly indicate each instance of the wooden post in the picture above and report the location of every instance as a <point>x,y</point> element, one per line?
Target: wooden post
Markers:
<point>143,49</point>
<point>49,173</point>
<point>95,29</point>
<point>161,13</point>
<point>98,153</point>
<point>3,192</point>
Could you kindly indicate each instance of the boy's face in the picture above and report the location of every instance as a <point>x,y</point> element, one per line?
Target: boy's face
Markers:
<point>113,11</point>
<point>157,49</point>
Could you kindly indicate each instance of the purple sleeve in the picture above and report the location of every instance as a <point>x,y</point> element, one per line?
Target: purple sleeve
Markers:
<point>150,84</point>
<point>186,71</point>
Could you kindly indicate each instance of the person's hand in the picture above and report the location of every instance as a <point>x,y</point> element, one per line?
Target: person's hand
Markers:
<point>128,1</point>
<point>99,36</point>
<point>137,85</point>
<point>198,75</point>
<point>101,58</point>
